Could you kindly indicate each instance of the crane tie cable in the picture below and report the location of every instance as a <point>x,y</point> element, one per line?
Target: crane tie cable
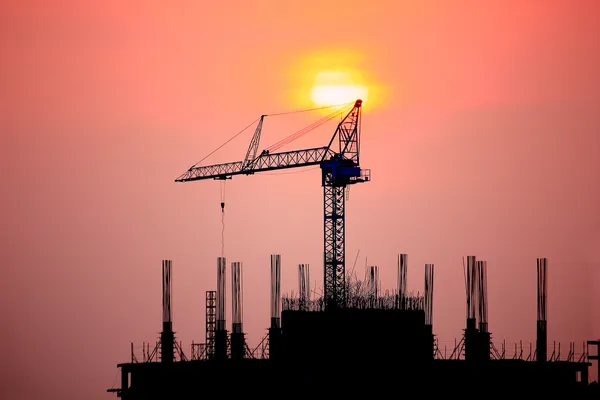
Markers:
<point>229,140</point>
<point>309,109</point>
<point>304,130</point>
<point>256,120</point>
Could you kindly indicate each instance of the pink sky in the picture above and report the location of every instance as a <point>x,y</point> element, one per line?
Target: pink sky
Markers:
<point>484,140</point>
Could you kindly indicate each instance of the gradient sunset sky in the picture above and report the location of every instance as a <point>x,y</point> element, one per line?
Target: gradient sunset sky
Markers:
<point>481,128</point>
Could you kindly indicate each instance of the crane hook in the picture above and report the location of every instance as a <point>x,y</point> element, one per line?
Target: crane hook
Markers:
<point>222,206</point>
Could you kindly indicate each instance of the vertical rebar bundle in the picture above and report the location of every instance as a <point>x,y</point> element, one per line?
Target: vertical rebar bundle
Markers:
<point>304,286</point>
<point>167,337</point>
<point>542,288</point>
<point>428,294</point>
<point>471,287</point>
<point>482,295</point>
<point>402,270</point>
<point>428,305</point>
<point>483,336</point>
<point>275,329</point>
<point>221,265</point>
<point>373,281</point>
<point>221,332</point>
<point>373,285</point>
<point>236,297</point>
<point>471,334</point>
<point>238,342</point>
<point>166,291</point>
<point>275,290</point>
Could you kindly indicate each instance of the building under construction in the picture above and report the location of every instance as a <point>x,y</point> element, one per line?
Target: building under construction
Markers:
<point>377,343</point>
<point>352,340</point>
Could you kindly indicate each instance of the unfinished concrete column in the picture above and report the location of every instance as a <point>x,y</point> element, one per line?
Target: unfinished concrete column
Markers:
<point>471,328</point>
<point>303,287</point>
<point>275,329</point>
<point>238,342</point>
<point>402,269</point>
<point>428,297</point>
<point>484,340</point>
<point>167,337</point>
<point>541,345</point>
<point>220,331</point>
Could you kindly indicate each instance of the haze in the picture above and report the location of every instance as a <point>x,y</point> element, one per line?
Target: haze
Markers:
<point>481,132</point>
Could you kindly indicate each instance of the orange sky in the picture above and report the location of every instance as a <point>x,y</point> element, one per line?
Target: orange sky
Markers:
<point>482,139</point>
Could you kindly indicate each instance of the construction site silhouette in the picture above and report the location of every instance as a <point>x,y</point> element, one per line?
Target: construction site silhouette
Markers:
<point>381,341</point>
<point>353,339</point>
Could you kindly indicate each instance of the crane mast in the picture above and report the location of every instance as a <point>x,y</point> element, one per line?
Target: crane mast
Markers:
<point>339,168</point>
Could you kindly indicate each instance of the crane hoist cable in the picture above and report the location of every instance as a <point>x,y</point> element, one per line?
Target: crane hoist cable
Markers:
<point>222,218</point>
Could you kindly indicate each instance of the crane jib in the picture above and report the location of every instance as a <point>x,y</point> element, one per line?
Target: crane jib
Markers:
<point>264,162</point>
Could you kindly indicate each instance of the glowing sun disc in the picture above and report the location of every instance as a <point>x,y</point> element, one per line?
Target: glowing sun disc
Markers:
<point>332,88</point>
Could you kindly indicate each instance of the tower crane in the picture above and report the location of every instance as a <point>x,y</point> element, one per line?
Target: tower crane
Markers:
<point>340,167</point>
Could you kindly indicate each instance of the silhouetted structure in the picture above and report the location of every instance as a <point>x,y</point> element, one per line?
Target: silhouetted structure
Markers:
<point>221,331</point>
<point>167,337</point>
<point>211,322</point>
<point>470,337</point>
<point>428,307</point>
<point>354,339</point>
<point>542,333</point>
<point>238,340</point>
<point>402,271</point>
<point>303,286</point>
<point>275,328</point>
<point>377,336</point>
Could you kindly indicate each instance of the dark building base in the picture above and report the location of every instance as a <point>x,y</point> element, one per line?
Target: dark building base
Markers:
<point>354,353</point>
<point>265,378</point>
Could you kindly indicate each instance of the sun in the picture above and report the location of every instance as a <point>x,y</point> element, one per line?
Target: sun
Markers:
<point>336,87</point>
